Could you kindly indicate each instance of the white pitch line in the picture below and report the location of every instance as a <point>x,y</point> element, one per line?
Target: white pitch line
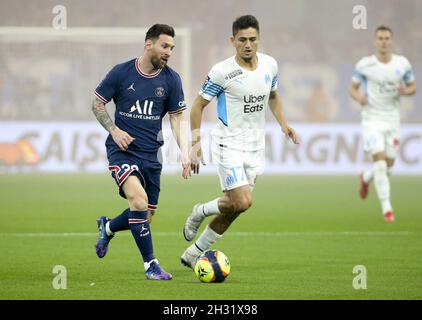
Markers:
<point>229,234</point>
<point>326,233</point>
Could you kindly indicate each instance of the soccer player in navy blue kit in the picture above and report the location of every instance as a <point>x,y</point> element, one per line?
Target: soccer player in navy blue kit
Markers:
<point>144,90</point>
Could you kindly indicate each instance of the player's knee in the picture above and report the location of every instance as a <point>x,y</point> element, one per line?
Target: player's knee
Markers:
<point>379,156</point>
<point>138,202</point>
<point>243,204</point>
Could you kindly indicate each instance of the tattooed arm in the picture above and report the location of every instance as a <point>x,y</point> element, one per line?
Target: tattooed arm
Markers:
<point>122,138</point>
<point>100,112</point>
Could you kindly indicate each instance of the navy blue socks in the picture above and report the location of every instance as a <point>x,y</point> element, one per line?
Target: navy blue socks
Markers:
<point>120,223</point>
<point>138,224</point>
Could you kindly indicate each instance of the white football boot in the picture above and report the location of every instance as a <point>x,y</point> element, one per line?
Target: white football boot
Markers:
<point>193,222</point>
<point>190,256</point>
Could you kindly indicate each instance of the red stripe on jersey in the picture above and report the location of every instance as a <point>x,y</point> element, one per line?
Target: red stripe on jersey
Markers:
<point>177,111</point>
<point>99,96</point>
<point>144,74</point>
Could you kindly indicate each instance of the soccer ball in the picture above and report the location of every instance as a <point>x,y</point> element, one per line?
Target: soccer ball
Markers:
<point>212,266</point>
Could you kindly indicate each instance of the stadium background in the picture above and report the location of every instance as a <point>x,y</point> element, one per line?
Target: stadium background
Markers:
<point>308,237</point>
<point>48,76</point>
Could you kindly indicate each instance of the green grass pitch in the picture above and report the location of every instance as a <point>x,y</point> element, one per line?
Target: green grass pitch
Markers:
<point>300,240</point>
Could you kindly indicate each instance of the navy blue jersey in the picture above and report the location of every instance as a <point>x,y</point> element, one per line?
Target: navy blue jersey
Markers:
<point>141,103</point>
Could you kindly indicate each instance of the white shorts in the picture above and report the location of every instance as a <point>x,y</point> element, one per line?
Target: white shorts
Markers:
<point>381,138</point>
<point>237,168</point>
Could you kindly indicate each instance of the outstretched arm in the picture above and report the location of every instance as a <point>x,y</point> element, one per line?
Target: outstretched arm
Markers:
<point>276,108</point>
<point>180,131</point>
<point>196,156</point>
<point>122,138</point>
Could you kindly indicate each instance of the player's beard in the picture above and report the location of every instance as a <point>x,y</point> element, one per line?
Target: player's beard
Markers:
<point>157,63</point>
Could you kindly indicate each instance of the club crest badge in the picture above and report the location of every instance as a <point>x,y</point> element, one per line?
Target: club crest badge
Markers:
<point>159,92</point>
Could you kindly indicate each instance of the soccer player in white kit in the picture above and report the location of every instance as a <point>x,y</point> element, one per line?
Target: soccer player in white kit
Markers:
<point>385,77</point>
<point>245,86</point>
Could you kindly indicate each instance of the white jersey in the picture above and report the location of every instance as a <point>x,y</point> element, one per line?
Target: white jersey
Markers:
<point>381,81</point>
<point>242,101</point>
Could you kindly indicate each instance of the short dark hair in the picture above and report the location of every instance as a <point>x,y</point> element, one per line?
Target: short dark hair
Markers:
<point>157,29</point>
<point>384,28</point>
<point>245,22</point>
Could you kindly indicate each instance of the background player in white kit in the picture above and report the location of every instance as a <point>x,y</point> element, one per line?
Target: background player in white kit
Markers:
<point>386,77</point>
<point>244,85</point>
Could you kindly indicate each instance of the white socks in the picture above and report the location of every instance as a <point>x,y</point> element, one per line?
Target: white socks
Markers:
<point>368,175</point>
<point>147,264</point>
<point>208,237</point>
<point>382,184</point>
<point>108,230</point>
<point>205,241</point>
<point>209,208</point>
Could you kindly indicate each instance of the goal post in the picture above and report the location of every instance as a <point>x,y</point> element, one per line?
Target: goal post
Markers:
<point>64,66</point>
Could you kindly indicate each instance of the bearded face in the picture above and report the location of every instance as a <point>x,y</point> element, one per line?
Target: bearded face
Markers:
<point>161,50</point>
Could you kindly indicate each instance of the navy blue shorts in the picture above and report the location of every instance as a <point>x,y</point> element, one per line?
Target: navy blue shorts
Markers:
<point>122,165</point>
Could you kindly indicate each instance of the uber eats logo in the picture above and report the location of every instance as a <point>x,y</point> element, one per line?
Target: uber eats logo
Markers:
<point>253,103</point>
